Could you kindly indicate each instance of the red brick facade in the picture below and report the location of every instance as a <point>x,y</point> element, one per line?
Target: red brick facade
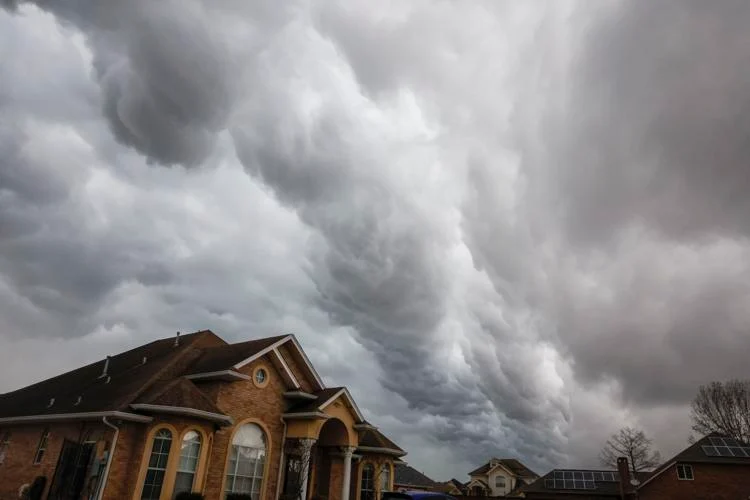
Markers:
<point>710,482</point>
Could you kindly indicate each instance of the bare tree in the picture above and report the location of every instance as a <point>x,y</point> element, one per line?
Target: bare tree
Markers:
<point>635,446</point>
<point>723,408</point>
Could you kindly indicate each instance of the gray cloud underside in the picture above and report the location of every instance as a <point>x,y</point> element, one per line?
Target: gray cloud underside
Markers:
<point>525,222</point>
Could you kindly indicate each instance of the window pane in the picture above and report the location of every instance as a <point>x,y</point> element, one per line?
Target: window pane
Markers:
<point>157,465</point>
<point>247,460</point>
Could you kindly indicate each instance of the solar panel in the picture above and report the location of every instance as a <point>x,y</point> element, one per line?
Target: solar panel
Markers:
<point>569,484</point>
<point>718,441</point>
<point>726,451</point>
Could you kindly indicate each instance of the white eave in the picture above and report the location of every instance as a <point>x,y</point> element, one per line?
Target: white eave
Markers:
<point>188,412</point>
<point>307,415</point>
<point>227,375</point>
<point>383,451</point>
<point>352,404</point>
<point>57,417</point>
<point>300,395</point>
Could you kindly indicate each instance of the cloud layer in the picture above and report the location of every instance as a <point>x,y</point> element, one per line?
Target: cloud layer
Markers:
<point>524,222</point>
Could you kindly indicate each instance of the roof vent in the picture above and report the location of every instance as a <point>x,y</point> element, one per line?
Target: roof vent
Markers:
<point>51,402</point>
<point>106,368</point>
<point>108,379</point>
<point>177,340</point>
<point>78,401</point>
<point>143,361</point>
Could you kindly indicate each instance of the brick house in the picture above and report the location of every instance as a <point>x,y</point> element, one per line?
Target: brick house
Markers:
<point>193,413</point>
<point>498,477</point>
<point>714,467</point>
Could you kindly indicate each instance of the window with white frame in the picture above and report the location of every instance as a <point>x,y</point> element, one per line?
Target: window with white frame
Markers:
<point>190,452</point>
<point>499,481</point>
<point>157,465</point>
<point>367,484</point>
<point>41,447</point>
<point>4,445</point>
<point>385,478</point>
<point>247,461</point>
<point>684,472</point>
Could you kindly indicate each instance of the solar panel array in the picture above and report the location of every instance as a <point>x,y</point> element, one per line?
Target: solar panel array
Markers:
<point>578,479</point>
<point>726,447</point>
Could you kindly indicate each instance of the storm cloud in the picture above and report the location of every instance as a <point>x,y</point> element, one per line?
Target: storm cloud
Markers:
<point>523,221</point>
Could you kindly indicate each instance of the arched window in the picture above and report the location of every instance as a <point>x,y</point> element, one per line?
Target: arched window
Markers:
<point>157,465</point>
<point>367,485</point>
<point>190,453</point>
<point>385,478</point>
<point>247,461</point>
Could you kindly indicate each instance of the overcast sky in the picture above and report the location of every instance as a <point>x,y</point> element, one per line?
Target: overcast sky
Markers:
<point>509,227</point>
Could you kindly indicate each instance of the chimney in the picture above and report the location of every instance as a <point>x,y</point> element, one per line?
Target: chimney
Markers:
<point>177,340</point>
<point>627,489</point>
<point>106,368</point>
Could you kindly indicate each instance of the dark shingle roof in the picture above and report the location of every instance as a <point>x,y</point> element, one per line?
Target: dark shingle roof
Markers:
<point>373,438</point>
<point>128,378</point>
<point>513,465</point>
<point>604,489</point>
<point>405,475</point>
<point>181,393</point>
<point>224,357</point>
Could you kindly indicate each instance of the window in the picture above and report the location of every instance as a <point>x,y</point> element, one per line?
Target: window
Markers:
<point>684,472</point>
<point>367,485</point>
<point>4,445</point>
<point>190,453</point>
<point>157,465</point>
<point>247,461</point>
<point>42,447</point>
<point>499,481</point>
<point>385,478</point>
<point>260,376</point>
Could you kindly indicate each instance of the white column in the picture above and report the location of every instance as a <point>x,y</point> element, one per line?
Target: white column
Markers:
<point>346,483</point>
<point>306,449</point>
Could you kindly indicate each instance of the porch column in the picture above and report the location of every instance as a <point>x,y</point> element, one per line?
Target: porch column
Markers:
<point>346,482</point>
<point>306,456</point>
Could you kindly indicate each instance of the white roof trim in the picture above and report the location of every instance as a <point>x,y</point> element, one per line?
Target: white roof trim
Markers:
<point>180,410</point>
<point>307,414</point>
<point>477,480</point>
<point>384,451</point>
<point>76,416</point>
<point>365,427</point>
<point>300,395</point>
<point>345,392</point>
<point>309,365</point>
<point>500,464</point>
<point>218,374</point>
<point>261,353</point>
<point>288,372</point>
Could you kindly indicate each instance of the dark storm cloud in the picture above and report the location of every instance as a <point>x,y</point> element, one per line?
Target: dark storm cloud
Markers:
<point>659,118</point>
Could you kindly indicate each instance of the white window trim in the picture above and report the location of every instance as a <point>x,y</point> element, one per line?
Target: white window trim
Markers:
<point>685,467</point>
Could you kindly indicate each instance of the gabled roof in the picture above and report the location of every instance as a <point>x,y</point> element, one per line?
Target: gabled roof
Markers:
<point>511,464</point>
<point>372,440</point>
<point>224,357</point>
<point>604,489</point>
<point>323,399</point>
<point>694,454</point>
<point>405,475</point>
<point>127,377</point>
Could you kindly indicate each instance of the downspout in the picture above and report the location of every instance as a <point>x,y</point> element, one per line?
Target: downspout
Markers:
<point>103,483</point>
<point>281,460</point>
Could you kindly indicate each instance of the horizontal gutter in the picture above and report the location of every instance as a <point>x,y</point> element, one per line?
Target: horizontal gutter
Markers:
<point>306,415</point>
<point>58,417</point>
<point>222,374</point>
<point>384,451</point>
<point>187,412</point>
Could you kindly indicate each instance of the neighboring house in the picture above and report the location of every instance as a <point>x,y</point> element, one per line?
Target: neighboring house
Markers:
<point>193,413</point>
<point>453,487</point>
<point>714,467</point>
<point>408,478</point>
<point>498,477</point>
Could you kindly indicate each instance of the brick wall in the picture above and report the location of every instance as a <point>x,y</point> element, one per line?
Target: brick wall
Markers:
<point>714,482</point>
<point>18,468</point>
<point>243,400</point>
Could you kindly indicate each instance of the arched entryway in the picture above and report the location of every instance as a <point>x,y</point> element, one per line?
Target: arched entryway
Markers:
<point>333,441</point>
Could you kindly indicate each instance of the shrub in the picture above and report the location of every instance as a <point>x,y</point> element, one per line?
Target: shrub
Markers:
<point>186,495</point>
